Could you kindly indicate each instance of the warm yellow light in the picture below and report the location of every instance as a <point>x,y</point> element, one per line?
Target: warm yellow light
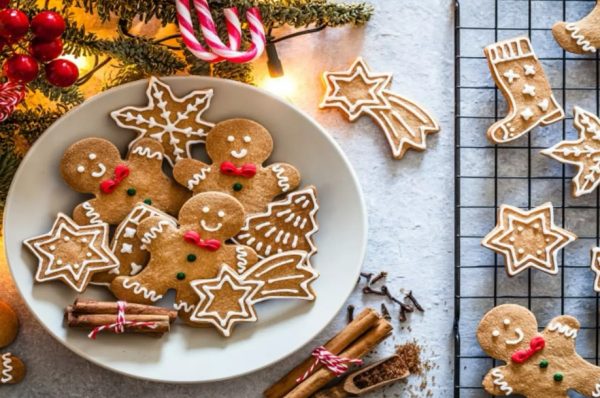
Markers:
<point>84,64</point>
<point>282,86</point>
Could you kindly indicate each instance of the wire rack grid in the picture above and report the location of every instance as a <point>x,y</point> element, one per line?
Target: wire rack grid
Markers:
<point>488,176</point>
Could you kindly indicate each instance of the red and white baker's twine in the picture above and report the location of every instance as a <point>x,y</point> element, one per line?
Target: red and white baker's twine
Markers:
<point>218,51</point>
<point>119,325</point>
<point>338,365</point>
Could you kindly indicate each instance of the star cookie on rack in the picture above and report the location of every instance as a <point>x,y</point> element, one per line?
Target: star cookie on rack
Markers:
<point>72,253</point>
<point>358,91</point>
<point>175,122</point>
<point>583,152</point>
<point>528,239</point>
<point>225,300</point>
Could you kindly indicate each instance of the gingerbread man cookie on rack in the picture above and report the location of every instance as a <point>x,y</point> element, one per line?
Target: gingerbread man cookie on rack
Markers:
<point>538,365</point>
<point>94,165</point>
<point>238,148</point>
<point>581,37</point>
<point>195,249</point>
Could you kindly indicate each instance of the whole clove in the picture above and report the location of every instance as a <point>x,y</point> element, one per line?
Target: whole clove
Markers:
<point>370,290</point>
<point>350,311</point>
<point>367,276</point>
<point>413,300</point>
<point>378,277</point>
<point>385,312</point>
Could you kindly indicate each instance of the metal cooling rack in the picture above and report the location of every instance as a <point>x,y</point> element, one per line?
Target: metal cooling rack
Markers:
<point>517,174</point>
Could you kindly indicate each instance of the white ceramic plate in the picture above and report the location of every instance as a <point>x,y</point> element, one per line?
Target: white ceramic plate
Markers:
<point>186,354</point>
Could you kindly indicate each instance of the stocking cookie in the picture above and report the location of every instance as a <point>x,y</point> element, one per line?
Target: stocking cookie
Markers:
<point>72,253</point>
<point>238,148</point>
<point>127,246</point>
<point>528,239</point>
<point>196,249</point>
<point>94,165</point>
<point>581,37</point>
<point>9,324</point>
<point>287,224</point>
<point>12,369</point>
<point>583,152</point>
<point>538,365</point>
<point>174,122</point>
<point>358,91</point>
<point>521,79</point>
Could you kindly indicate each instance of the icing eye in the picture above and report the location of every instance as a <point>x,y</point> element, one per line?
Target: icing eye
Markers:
<point>80,169</point>
<point>231,138</point>
<point>205,209</point>
<point>506,322</point>
<point>221,213</point>
<point>247,138</point>
<point>495,333</point>
<point>92,156</point>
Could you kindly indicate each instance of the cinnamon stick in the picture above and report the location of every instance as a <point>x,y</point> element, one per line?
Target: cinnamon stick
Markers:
<point>92,321</point>
<point>108,307</point>
<point>358,327</point>
<point>360,348</point>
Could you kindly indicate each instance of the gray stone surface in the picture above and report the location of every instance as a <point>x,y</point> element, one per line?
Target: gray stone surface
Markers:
<point>409,203</point>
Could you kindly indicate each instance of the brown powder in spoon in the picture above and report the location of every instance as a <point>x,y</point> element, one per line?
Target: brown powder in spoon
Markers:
<point>408,359</point>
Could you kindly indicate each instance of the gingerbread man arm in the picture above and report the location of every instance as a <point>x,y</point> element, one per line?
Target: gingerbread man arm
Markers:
<point>152,230</point>
<point>241,257</point>
<point>191,173</point>
<point>147,153</point>
<point>499,381</point>
<point>88,212</point>
<point>563,329</point>
<point>286,176</point>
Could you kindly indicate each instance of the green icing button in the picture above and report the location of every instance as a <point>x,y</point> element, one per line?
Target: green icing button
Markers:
<point>543,363</point>
<point>237,187</point>
<point>148,201</point>
<point>191,257</point>
<point>131,191</point>
<point>180,276</point>
<point>558,377</point>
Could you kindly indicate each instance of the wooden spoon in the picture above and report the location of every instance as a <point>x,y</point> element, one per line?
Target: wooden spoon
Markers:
<point>348,388</point>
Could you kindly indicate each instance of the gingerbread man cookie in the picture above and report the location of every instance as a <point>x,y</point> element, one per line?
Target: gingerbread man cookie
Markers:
<point>72,253</point>
<point>9,324</point>
<point>581,37</point>
<point>174,122</point>
<point>538,365</point>
<point>196,249</point>
<point>12,369</point>
<point>238,148</point>
<point>94,165</point>
<point>521,79</point>
<point>528,239</point>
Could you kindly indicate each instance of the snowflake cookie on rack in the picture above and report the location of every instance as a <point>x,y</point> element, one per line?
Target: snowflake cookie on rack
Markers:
<point>528,239</point>
<point>538,364</point>
<point>584,152</point>
<point>176,123</point>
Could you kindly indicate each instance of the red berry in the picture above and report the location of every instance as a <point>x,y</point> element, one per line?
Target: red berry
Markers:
<point>21,68</point>
<point>48,25</point>
<point>13,24</point>
<point>62,72</point>
<point>45,51</point>
<point>4,3</point>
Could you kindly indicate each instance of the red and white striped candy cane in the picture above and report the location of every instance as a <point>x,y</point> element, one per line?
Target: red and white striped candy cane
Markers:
<point>186,26</point>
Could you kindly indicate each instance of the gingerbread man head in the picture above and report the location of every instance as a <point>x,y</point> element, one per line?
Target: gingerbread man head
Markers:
<point>506,329</point>
<point>239,141</point>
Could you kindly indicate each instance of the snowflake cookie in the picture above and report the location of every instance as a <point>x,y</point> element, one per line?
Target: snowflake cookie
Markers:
<point>583,152</point>
<point>174,122</point>
<point>538,364</point>
<point>528,239</point>
<point>72,253</point>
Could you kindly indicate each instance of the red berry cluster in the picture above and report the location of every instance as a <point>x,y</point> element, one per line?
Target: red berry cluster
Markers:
<point>45,47</point>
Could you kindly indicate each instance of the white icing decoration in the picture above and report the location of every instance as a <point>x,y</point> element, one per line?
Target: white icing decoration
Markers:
<point>580,38</point>
<point>495,333</point>
<point>80,169</point>
<point>154,231</point>
<point>544,104</point>
<point>506,321</point>
<point>230,138</point>
<point>518,339</point>
<point>208,228</point>
<point>147,152</point>
<point>562,329</point>
<point>100,172</point>
<point>529,70</point>
<point>6,368</point>
<point>182,305</point>
<point>239,154</point>
<point>135,268</point>
<point>596,392</point>
<point>282,179</point>
<point>126,248</point>
<point>510,75</point>
<point>527,113</point>
<point>129,232</point>
<point>137,288</point>
<point>241,255</point>
<point>221,213</point>
<point>500,382</point>
<point>529,90</point>
<point>91,213</point>
<point>247,138</point>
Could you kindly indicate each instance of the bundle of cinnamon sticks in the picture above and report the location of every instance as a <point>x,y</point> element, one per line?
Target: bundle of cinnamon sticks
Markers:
<point>91,314</point>
<point>357,339</point>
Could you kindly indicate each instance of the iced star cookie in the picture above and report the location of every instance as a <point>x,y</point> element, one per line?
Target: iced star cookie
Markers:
<point>528,239</point>
<point>72,253</point>
<point>358,91</point>
<point>127,246</point>
<point>196,249</point>
<point>583,152</point>
<point>12,369</point>
<point>176,123</point>
<point>581,37</point>
<point>538,365</point>
<point>287,224</point>
<point>9,324</point>
<point>94,166</point>
<point>238,148</point>
<point>520,77</point>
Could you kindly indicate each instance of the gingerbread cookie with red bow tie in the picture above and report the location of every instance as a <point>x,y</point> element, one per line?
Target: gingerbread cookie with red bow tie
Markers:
<point>538,364</point>
<point>238,149</point>
<point>94,166</point>
<point>196,249</point>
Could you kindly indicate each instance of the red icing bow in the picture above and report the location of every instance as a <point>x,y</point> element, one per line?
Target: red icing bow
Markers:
<point>247,170</point>
<point>194,238</point>
<point>109,186</point>
<point>536,344</point>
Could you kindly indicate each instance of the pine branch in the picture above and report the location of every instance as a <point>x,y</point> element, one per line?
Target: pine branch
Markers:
<point>9,163</point>
<point>68,96</point>
<point>79,42</point>
<point>164,10</point>
<point>228,70</point>
<point>30,123</point>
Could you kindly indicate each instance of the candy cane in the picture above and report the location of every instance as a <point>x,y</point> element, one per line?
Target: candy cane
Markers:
<point>184,17</point>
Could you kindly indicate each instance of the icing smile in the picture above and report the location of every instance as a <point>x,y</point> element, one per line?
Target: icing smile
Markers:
<point>210,229</point>
<point>100,172</point>
<point>239,154</point>
<point>519,338</point>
